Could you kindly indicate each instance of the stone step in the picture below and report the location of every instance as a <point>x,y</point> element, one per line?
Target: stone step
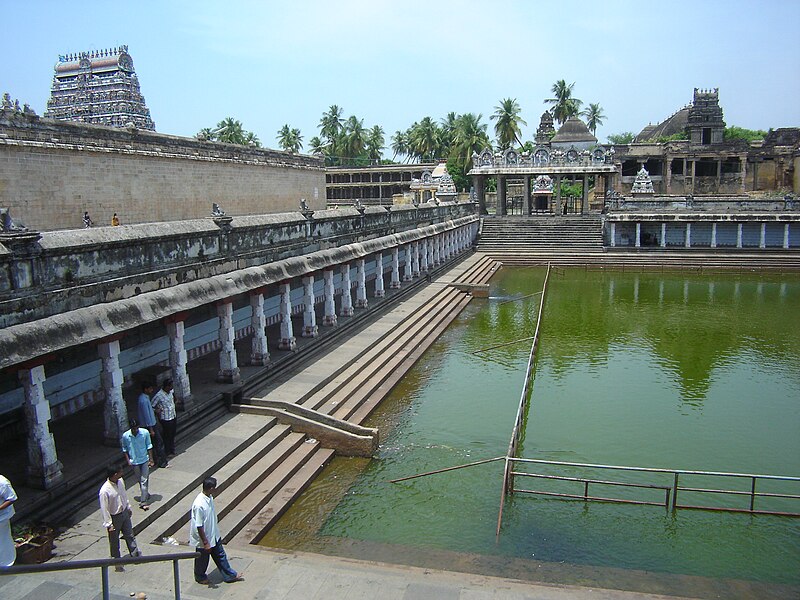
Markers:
<point>266,486</point>
<point>164,519</point>
<point>268,514</point>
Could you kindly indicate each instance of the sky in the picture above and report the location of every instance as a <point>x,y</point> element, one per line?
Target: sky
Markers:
<point>392,63</point>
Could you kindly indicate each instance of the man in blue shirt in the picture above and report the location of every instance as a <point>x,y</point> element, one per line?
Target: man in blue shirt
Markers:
<point>147,419</point>
<point>138,449</point>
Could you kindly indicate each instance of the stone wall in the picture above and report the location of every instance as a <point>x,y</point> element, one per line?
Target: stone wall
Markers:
<point>52,171</point>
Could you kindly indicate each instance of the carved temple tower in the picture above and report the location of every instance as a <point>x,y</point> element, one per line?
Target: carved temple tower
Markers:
<point>98,87</point>
<point>705,125</point>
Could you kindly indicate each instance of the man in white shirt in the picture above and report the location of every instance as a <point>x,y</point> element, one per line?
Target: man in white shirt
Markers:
<point>204,535</point>
<point>8,550</point>
<point>116,512</point>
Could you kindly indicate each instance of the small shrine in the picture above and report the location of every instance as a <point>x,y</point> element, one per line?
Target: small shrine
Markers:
<point>643,184</point>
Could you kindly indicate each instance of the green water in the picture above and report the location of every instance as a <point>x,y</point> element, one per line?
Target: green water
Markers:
<point>668,370</point>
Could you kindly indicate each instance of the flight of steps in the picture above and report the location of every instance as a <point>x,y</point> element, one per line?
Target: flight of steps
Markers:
<point>554,235</point>
<point>259,477</point>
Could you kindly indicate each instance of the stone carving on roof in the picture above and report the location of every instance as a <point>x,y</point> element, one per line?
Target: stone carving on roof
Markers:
<point>543,184</point>
<point>643,184</point>
<point>511,157</point>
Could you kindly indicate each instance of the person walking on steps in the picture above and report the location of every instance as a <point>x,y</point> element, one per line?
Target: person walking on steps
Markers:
<point>138,449</point>
<point>147,419</point>
<point>87,220</point>
<point>164,405</point>
<point>116,512</point>
<point>204,535</point>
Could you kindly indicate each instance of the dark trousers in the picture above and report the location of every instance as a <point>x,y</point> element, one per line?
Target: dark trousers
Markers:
<point>122,524</point>
<point>169,427</point>
<point>217,552</point>
<point>158,444</point>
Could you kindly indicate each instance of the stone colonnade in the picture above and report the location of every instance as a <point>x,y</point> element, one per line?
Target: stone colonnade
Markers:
<point>440,245</point>
<point>702,234</point>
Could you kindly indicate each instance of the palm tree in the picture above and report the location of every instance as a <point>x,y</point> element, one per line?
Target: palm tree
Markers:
<point>229,130</point>
<point>251,139</point>
<point>424,138</point>
<point>400,144</point>
<point>447,131</point>
<point>355,137</point>
<point>564,105</point>
<point>331,124</point>
<point>507,128</point>
<point>594,116</point>
<point>375,141</point>
<point>290,140</point>
<point>469,136</point>
<point>316,145</point>
<point>206,133</point>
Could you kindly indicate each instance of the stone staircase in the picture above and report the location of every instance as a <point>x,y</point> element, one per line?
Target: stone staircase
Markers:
<point>261,465</point>
<point>554,235</point>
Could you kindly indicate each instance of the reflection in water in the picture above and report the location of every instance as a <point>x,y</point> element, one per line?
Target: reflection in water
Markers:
<point>660,370</point>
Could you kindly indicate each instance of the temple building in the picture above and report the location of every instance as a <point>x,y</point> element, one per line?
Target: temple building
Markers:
<point>98,87</point>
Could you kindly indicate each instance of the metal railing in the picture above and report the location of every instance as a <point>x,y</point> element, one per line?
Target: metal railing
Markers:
<point>670,490</point>
<point>103,564</point>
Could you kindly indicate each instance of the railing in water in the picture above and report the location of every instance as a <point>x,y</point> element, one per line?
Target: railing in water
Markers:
<point>670,490</point>
<point>103,564</point>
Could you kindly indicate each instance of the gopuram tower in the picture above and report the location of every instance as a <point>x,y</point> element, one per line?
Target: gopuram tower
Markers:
<point>98,87</point>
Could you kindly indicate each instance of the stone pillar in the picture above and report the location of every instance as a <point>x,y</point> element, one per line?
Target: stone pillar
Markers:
<point>329,319</point>
<point>663,235</point>
<point>692,165</point>
<point>437,249</point>
<point>557,207</point>
<point>415,259</point>
<point>380,291</point>
<point>786,235</point>
<point>743,172</point>
<point>228,366</point>
<point>361,284</point>
<point>115,413</point>
<point>44,469</point>
<point>310,328</point>
<point>638,242</point>
<point>480,190</point>
<point>585,195</point>
<point>288,341</point>
<point>501,196</point>
<point>714,234</point>
<point>423,258</point>
<point>431,243</point>
<point>259,353</point>
<point>527,200</point>
<point>688,240</point>
<point>668,174</point>
<point>738,235</point>
<point>347,292</point>
<point>762,240</point>
<point>395,281</point>
<point>407,272</point>
<point>613,233</point>
<point>719,173</point>
<point>178,362</point>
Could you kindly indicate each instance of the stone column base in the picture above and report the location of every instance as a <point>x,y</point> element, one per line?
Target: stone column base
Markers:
<point>346,312</point>
<point>47,477</point>
<point>259,360</point>
<point>184,403</point>
<point>329,320</point>
<point>229,376</point>
<point>407,278</point>
<point>362,303</point>
<point>287,343</point>
<point>395,285</point>
<point>310,331</point>
<point>380,293</point>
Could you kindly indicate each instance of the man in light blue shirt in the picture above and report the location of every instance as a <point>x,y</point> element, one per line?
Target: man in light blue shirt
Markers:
<point>138,449</point>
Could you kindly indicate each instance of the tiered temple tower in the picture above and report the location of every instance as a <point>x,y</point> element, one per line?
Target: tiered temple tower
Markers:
<point>705,124</point>
<point>98,87</point>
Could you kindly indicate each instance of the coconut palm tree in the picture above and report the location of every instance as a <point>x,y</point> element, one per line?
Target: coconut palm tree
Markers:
<point>469,137</point>
<point>229,130</point>
<point>375,141</point>
<point>331,124</point>
<point>447,131</point>
<point>206,133</point>
<point>424,139</point>
<point>290,139</point>
<point>251,139</point>
<point>594,116</point>
<point>564,105</point>
<point>400,144</point>
<point>507,128</point>
<point>316,145</point>
<point>355,137</point>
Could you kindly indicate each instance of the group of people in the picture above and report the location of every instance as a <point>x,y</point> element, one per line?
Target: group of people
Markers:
<point>150,441</point>
<point>87,220</point>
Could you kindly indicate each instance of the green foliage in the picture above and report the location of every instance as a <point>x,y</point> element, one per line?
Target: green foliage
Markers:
<point>564,105</point>
<point>740,133</point>
<point>571,190</point>
<point>626,137</point>
<point>508,121</point>
<point>675,137</point>
<point>594,116</point>
<point>229,131</point>
<point>290,140</point>
<point>457,170</point>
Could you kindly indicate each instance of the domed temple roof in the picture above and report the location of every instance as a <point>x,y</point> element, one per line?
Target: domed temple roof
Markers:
<point>573,131</point>
<point>674,124</point>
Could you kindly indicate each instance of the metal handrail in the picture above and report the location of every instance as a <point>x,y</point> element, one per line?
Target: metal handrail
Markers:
<point>675,488</point>
<point>103,564</point>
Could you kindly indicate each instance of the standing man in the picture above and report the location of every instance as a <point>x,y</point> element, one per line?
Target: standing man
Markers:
<point>138,449</point>
<point>204,535</point>
<point>116,512</point>
<point>147,419</point>
<point>8,550</point>
<point>164,405</point>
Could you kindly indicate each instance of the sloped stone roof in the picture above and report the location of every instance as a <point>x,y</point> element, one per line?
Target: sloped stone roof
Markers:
<point>670,126</point>
<point>573,130</point>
